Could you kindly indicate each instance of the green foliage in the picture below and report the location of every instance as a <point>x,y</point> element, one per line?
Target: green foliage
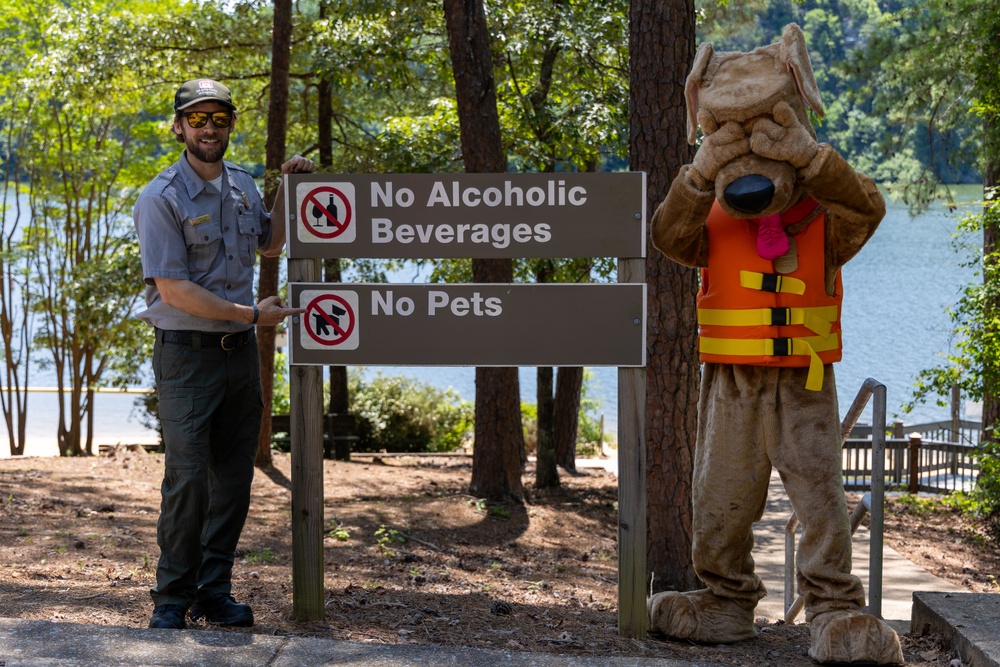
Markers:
<point>499,511</point>
<point>478,504</point>
<point>281,399</point>
<point>257,556</point>
<point>399,414</point>
<point>562,82</point>
<point>386,537</point>
<point>930,70</point>
<point>985,497</point>
<point>916,505</point>
<point>529,425</point>
<point>484,506</point>
<point>336,530</point>
<point>589,426</point>
<point>82,143</point>
<point>975,364</point>
<point>938,62</point>
<point>388,65</point>
<point>980,503</point>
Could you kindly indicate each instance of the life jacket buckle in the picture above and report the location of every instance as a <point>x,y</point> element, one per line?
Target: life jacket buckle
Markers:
<point>782,347</point>
<point>770,282</point>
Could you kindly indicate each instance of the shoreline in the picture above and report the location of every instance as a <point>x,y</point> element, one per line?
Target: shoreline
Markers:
<point>38,447</point>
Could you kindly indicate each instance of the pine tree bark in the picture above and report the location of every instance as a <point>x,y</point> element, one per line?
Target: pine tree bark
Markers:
<point>546,470</point>
<point>569,384</point>
<point>662,47</point>
<point>499,441</point>
<point>277,119</point>
<point>339,399</point>
<point>546,467</point>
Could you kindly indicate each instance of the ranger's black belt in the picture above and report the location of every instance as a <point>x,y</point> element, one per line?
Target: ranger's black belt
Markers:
<point>201,340</point>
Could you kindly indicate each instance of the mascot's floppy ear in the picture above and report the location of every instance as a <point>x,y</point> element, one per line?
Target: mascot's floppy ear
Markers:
<point>692,86</point>
<point>795,55</point>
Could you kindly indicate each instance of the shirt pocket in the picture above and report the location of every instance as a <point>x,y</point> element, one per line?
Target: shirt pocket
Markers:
<point>203,241</point>
<point>249,226</point>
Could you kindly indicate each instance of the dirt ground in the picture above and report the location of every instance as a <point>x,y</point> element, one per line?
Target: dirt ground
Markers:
<point>410,558</point>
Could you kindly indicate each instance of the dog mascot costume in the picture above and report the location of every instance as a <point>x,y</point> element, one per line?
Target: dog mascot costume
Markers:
<point>770,216</point>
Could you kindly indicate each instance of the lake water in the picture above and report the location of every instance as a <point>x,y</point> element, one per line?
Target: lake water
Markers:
<point>895,321</point>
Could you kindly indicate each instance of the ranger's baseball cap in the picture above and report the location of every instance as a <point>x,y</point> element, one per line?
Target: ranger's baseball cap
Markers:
<point>202,90</point>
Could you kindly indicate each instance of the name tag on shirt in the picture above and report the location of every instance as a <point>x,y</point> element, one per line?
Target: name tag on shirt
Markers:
<point>200,219</point>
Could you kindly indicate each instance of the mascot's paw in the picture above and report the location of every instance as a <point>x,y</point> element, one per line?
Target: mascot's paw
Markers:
<point>845,637</point>
<point>701,616</point>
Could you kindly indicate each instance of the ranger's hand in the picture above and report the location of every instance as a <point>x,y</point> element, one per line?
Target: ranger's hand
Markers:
<point>272,311</point>
<point>298,165</point>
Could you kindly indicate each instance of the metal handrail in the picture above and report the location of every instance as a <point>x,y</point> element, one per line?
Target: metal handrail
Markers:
<point>872,502</point>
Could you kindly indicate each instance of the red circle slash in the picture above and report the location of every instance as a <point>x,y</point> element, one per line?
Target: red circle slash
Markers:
<point>325,218</point>
<point>325,321</point>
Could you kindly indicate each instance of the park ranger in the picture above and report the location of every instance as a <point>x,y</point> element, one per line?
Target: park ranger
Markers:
<point>200,224</point>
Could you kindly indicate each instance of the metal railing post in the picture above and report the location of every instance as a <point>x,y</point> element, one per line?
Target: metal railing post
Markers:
<point>792,605</point>
<point>877,508</point>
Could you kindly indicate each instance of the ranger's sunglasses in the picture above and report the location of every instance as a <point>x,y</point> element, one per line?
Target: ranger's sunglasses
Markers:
<point>198,119</point>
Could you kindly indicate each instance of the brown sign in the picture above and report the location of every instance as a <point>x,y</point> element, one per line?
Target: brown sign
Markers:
<point>556,324</point>
<point>411,216</point>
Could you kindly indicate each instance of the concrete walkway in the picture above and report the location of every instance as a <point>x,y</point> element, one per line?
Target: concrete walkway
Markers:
<point>900,577</point>
<point>45,644</point>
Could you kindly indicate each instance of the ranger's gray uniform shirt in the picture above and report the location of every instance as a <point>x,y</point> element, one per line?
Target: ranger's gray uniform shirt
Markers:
<point>187,232</point>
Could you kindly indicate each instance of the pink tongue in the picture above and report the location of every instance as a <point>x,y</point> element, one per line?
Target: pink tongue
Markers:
<point>772,242</point>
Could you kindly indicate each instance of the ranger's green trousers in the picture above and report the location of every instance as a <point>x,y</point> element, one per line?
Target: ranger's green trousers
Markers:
<point>210,412</point>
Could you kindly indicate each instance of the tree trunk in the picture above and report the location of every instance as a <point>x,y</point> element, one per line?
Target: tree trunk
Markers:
<point>662,46</point>
<point>14,305</point>
<point>499,445</point>
<point>569,383</point>
<point>324,111</point>
<point>498,454</point>
<point>277,117</point>
<point>339,400</point>
<point>546,468</point>
<point>546,471</point>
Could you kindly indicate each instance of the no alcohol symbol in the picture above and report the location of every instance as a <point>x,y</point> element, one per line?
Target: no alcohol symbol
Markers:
<point>326,212</point>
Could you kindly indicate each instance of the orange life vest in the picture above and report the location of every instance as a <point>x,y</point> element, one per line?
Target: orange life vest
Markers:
<point>749,314</point>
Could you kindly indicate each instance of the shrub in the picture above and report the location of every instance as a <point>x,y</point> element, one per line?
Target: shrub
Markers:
<point>399,414</point>
<point>986,494</point>
<point>529,425</point>
<point>975,365</point>
<point>280,390</point>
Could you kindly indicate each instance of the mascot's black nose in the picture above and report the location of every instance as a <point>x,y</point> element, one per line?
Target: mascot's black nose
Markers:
<point>749,194</point>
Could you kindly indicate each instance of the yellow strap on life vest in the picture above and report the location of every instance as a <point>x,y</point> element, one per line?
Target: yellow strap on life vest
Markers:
<point>771,282</point>
<point>769,347</point>
<point>817,320</point>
